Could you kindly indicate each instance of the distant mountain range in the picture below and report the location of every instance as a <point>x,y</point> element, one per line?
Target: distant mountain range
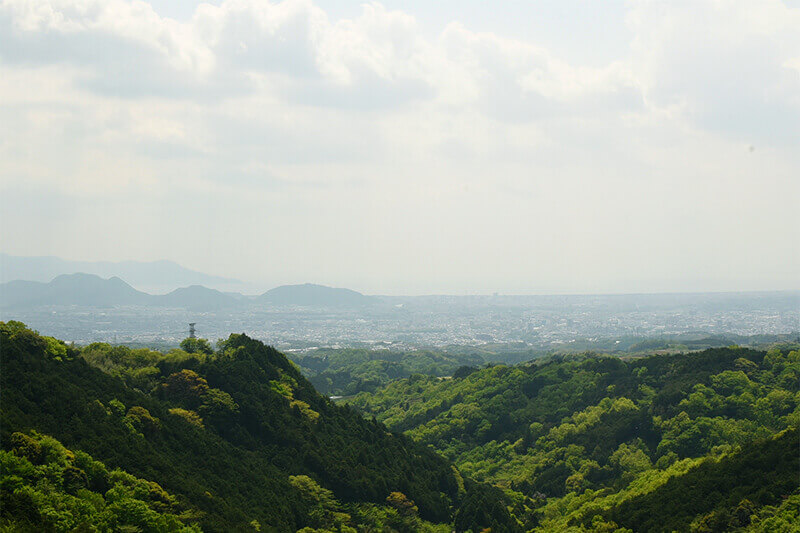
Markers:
<point>71,289</point>
<point>89,290</point>
<point>154,276</point>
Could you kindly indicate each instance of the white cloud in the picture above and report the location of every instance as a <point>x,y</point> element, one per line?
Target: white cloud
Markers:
<point>511,71</point>
<point>723,64</point>
<point>373,136</point>
<point>222,47</point>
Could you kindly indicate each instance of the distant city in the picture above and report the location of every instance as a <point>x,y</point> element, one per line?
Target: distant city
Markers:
<point>86,308</point>
<point>433,321</point>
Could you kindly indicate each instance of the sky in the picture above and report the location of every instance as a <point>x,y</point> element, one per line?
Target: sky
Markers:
<point>409,147</point>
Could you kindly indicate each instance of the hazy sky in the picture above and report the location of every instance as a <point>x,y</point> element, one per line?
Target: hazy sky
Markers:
<point>409,146</point>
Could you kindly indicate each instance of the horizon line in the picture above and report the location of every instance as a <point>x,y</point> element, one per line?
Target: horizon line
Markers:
<point>496,294</point>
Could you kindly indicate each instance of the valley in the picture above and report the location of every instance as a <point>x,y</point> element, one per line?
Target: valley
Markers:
<point>234,438</point>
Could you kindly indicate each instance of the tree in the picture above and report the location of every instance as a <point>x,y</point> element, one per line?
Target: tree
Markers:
<point>186,387</point>
<point>142,421</point>
<point>217,404</point>
<point>192,345</point>
<point>404,506</point>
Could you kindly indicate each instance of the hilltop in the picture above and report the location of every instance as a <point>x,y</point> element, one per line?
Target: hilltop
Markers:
<point>197,297</point>
<point>312,295</point>
<point>237,435</point>
<point>686,442</point>
<point>72,289</point>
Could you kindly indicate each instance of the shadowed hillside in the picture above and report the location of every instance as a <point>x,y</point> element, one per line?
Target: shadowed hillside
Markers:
<point>229,433</point>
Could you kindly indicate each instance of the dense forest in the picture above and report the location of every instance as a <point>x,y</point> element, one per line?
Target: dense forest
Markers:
<point>233,439</point>
<point>347,371</point>
<point>705,441</point>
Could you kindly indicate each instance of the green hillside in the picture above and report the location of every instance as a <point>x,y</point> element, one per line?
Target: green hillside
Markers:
<point>46,487</point>
<point>594,440</point>
<point>238,436</point>
<point>347,371</point>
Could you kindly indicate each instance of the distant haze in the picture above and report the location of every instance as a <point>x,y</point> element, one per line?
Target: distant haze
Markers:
<point>89,291</point>
<point>155,276</point>
<point>408,147</point>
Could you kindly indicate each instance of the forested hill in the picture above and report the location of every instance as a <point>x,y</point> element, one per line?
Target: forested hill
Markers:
<point>237,439</point>
<point>692,442</point>
<point>347,371</point>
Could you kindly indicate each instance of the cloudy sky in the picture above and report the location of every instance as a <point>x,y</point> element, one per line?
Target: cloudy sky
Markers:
<point>409,146</point>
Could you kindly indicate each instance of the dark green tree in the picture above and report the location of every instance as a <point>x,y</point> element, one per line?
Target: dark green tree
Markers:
<point>193,345</point>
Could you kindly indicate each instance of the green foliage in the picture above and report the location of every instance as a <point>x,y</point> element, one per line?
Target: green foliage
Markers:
<point>72,492</point>
<point>217,437</point>
<point>194,345</point>
<point>485,506</point>
<point>56,349</point>
<point>186,387</point>
<point>141,421</point>
<point>782,519</point>
<point>27,447</point>
<point>591,438</point>
<point>329,514</point>
<point>719,491</point>
<point>239,440</point>
<point>190,416</point>
<point>137,367</point>
<point>400,501</point>
<point>348,371</point>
